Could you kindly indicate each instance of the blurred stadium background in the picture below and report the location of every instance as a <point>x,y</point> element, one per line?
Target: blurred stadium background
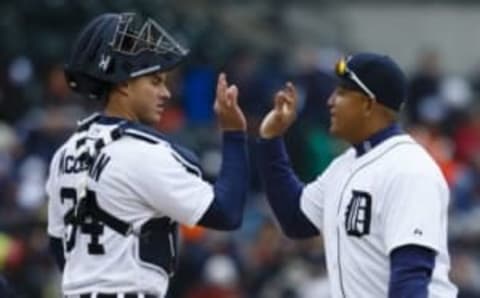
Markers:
<point>259,44</point>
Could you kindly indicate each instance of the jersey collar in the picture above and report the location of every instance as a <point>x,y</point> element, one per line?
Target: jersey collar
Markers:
<point>110,120</point>
<point>377,138</point>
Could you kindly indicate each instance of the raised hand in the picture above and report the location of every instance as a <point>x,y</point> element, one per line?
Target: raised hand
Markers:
<point>229,114</point>
<point>283,114</point>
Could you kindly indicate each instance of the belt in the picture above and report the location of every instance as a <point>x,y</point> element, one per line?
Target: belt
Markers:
<point>115,295</point>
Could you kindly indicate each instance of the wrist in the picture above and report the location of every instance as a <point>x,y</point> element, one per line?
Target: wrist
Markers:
<point>234,134</point>
<point>233,129</point>
<point>268,135</point>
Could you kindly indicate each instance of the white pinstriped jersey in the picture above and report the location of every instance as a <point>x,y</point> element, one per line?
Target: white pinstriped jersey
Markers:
<point>366,206</point>
<point>135,178</point>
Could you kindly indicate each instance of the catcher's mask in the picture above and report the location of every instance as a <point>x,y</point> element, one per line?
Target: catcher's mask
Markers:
<point>113,48</point>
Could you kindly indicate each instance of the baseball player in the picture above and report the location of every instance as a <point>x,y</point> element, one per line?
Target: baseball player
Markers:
<point>117,189</point>
<point>381,206</point>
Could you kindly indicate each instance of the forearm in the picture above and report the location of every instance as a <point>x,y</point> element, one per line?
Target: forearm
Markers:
<point>283,189</point>
<point>230,189</point>
<point>411,269</point>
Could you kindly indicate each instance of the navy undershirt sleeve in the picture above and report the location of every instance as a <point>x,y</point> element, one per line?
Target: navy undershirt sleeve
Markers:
<point>56,249</point>
<point>226,210</point>
<point>411,268</point>
<point>283,189</point>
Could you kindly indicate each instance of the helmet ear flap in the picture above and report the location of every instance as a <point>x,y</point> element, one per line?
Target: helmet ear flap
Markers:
<point>85,84</point>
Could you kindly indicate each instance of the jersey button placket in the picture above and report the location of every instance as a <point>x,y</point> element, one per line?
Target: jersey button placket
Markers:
<point>340,220</point>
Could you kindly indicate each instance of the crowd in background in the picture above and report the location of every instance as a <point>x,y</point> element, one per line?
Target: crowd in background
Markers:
<point>38,112</point>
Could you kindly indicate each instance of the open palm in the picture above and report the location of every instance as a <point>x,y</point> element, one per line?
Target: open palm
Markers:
<point>283,113</point>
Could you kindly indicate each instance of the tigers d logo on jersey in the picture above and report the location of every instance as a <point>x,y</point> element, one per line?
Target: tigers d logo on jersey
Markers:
<point>358,215</point>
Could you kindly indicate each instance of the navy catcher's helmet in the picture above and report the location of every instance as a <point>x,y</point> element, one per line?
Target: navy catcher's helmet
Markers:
<point>113,48</point>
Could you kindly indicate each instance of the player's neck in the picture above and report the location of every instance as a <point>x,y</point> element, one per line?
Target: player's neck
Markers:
<point>374,129</point>
<point>376,136</point>
<point>115,107</point>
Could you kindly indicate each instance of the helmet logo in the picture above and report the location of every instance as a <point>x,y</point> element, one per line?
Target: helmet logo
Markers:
<point>104,62</point>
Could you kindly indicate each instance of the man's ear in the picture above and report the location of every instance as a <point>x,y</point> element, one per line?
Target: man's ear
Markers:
<point>123,89</point>
<point>368,106</point>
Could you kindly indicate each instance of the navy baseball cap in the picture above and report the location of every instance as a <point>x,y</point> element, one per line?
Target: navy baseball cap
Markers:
<point>377,76</point>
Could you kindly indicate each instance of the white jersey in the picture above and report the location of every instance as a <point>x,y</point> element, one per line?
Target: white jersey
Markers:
<point>366,206</point>
<point>135,178</point>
